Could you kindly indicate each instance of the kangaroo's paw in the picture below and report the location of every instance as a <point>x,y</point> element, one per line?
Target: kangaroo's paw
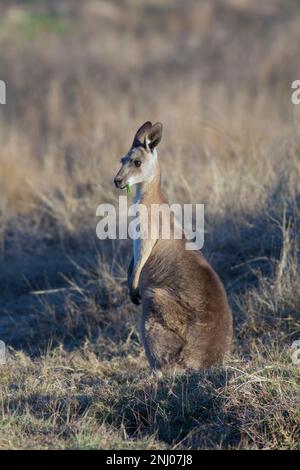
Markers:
<point>135,296</point>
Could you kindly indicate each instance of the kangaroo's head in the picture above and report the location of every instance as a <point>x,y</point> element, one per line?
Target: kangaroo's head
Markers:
<point>140,163</point>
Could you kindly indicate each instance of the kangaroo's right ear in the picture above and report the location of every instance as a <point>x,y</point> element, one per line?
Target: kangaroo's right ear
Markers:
<point>142,132</point>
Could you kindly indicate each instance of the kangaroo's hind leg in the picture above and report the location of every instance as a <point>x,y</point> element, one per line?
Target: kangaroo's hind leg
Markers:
<point>162,345</point>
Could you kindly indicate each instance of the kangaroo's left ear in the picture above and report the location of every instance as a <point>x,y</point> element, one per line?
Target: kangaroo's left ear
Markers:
<point>154,135</point>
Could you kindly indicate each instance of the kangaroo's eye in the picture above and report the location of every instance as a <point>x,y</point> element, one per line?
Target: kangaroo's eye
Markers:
<point>137,163</point>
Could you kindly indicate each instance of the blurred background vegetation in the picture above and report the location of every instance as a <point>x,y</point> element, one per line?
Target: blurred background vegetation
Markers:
<point>81,77</point>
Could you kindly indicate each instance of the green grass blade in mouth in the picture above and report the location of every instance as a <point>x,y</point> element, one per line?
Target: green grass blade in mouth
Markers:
<point>128,189</point>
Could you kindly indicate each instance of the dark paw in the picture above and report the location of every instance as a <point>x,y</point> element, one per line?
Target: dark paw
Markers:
<point>135,296</point>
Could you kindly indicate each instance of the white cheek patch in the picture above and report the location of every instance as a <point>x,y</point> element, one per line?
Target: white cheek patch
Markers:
<point>147,170</point>
<point>134,180</point>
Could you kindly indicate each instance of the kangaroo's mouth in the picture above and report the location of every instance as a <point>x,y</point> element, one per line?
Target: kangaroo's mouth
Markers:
<point>119,183</point>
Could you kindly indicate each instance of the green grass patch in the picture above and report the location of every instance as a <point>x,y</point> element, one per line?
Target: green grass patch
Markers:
<point>32,25</point>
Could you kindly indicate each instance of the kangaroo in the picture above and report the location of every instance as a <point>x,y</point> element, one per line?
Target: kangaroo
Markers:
<point>186,321</point>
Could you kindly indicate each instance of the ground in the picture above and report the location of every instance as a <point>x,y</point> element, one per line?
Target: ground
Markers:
<point>81,77</point>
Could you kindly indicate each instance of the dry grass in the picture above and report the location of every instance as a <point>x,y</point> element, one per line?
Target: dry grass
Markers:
<point>81,76</point>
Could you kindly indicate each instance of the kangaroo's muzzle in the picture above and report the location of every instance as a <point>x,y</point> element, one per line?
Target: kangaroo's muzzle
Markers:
<point>119,182</point>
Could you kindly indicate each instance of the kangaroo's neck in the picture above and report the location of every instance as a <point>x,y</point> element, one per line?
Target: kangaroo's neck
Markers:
<point>149,192</point>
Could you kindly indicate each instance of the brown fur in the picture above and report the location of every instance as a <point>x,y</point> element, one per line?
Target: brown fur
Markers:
<point>186,321</point>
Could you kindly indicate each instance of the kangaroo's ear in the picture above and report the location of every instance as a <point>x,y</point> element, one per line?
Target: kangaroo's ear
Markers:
<point>142,132</point>
<point>154,135</point>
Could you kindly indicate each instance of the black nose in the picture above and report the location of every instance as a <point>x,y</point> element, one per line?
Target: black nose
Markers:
<point>118,180</point>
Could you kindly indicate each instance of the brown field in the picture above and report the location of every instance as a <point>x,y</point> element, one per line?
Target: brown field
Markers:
<point>81,77</point>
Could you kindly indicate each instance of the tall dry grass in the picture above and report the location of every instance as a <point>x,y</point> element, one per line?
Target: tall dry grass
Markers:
<point>81,77</point>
